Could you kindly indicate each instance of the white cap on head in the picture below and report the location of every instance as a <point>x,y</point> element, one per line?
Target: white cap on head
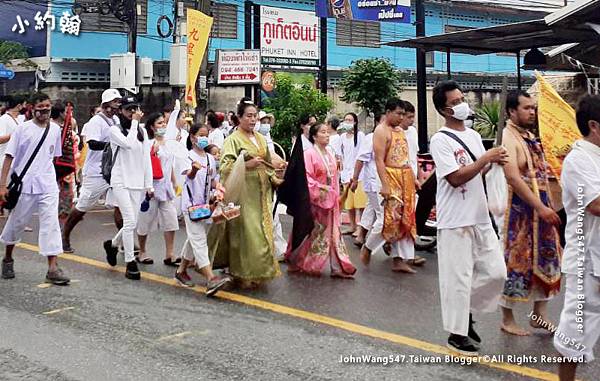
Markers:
<point>110,95</point>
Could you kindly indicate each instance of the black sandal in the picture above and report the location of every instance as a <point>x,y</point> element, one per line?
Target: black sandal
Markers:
<point>173,263</point>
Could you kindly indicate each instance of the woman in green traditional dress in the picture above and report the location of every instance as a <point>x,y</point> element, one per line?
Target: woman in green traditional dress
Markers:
<point>245,244</point>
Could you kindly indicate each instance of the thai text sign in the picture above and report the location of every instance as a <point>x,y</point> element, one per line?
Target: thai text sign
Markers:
<point>238,67</point>
<point>289,37</point>
<point>368,10</point>
<point>558,126</point>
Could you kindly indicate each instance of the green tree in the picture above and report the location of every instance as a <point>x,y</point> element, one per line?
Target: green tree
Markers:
<point>10,50</point>
<point>290,103</point>
<point>486,119</point>
<point>370,83</point>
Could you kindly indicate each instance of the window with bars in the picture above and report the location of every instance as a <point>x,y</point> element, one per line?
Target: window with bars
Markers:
<point>358,33</point>
<point>225,19</point>
<point>225,23</point>
<point>95,22</point>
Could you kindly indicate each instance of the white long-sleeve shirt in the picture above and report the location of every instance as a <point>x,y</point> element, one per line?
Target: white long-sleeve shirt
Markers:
<point>132,168</point>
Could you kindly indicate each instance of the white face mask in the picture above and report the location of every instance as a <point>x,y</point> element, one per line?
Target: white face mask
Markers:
<point>461,111</point>
<point>345,127</point>
<point>469,123</point>
<point>264,129</point>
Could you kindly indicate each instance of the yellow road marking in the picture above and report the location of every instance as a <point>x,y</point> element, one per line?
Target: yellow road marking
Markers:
<point>57,311</point>
<point>44,285</point>
<point>316,318</point>
<point>109,224</point>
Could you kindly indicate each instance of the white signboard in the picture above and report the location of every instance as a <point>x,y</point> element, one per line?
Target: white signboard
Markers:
<point>238,67</point>
<point>289,37</point>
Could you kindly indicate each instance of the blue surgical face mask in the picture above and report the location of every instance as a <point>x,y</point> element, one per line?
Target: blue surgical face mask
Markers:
<point>160,132</point>
<point>264,129</point>
<point>202,142</point>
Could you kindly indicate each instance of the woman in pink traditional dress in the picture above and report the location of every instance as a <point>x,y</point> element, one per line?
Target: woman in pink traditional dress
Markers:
<point>325,242</point>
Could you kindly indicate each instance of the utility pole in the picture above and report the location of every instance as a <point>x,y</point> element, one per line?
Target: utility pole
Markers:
<point>421,79</point>
<point>323,77</point>
<point>178,12</point>
<point>132,15</point>
<point>248,38</point>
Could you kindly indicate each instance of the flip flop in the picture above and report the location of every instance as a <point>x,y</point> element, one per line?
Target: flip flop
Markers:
<point>172,263</point>
<point>145,260</point>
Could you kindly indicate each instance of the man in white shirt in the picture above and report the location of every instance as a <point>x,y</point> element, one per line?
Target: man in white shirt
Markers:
<point>9,121</point>
<point>215,135</point>
<point>471,264</point>
<point>39,188</point>
<point>97,136</point>
<point>579,326</point>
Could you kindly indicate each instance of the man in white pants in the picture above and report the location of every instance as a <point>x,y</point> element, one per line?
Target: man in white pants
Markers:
<point>388,139</point>
<point>579,326</point>
<point>39,188</point>
<point>93,187</point>
<point>471,265</point>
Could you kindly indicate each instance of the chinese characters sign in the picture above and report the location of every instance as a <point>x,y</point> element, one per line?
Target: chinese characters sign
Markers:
<point>198,29</point>
<point>367,10</point>
<point>68,23</point>
<point>289,37</point>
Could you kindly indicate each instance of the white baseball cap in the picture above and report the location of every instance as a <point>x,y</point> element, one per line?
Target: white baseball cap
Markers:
<point>110,95</point>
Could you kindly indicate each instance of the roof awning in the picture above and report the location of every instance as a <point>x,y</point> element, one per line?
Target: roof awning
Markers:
<point>567,25</point>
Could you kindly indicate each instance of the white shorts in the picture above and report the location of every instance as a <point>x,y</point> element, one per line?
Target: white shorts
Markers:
<point>46,205</point>
<point>579,326</point>
<point>92,188</point>
<point>161,216</point>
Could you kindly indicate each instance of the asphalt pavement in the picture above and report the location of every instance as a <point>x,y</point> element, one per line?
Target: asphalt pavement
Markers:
<point>105,327</point>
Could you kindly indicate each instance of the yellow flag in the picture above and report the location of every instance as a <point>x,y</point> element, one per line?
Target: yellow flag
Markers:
<point>558,126</point>
<point>198,30</point>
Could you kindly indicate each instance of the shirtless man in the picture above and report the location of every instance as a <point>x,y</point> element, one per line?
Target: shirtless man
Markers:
<point>399,186</point>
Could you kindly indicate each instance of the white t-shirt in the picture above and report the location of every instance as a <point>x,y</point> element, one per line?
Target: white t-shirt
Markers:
<point>201,184</point>
<point>335,145</point>
<point>412,138</point>
<point>368,175</point>
<point>7,126</point>
<point>349,154</point>
<point>96,129</point>
<point>306,144</point>
<point>465,205</point>
<point>580,182</point>
<point>216,137</point>
<point>40,177</point>
<point>21,119</point>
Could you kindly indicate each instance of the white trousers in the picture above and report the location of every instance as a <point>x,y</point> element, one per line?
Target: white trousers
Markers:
<point>570,339</point>
<point>279,241</point>
<point>369,215</point>
<point>161,215</point>
<point>404,248</point>
<point>196,244</point>
<point>92,188</point>
<point>471,274</point>
<point>129,201</point>
<point>49,237</point>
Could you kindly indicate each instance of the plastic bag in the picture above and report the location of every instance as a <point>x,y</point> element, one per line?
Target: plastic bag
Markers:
<point>497,191</point>
<point>234,184</point>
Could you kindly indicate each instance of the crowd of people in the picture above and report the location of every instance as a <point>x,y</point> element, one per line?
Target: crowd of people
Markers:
<point>169,169</point>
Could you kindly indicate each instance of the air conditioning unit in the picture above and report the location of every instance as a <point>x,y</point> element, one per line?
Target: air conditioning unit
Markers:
<point>178,65</point>
<point>144,71</point>
<point>122,71</point>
